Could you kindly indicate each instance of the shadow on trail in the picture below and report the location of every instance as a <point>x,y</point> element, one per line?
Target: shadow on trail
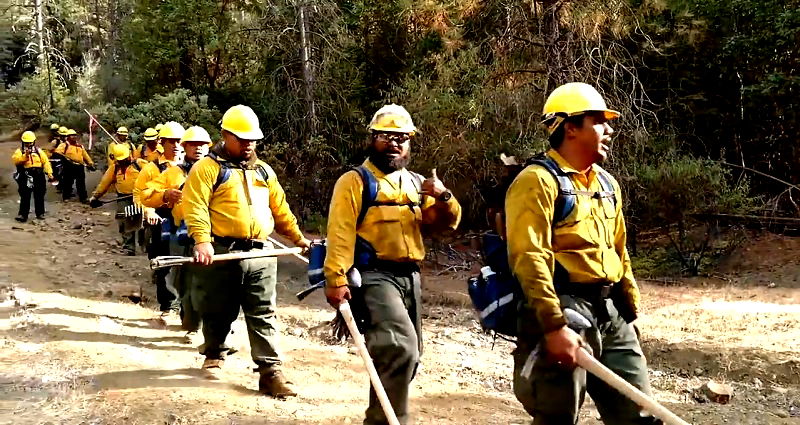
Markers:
<point>152,323</point>
<point>46,333</point>
<point>160,378</point>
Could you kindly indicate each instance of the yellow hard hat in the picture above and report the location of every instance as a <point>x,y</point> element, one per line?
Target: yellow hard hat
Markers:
<point>62,131</point>
<point>171,130</point>
<point>28,137</point>
<point>196,134</point>
<point>393,118</point>
<point>150,134</point>
<point>573,99</point>
<point>158,126</point>
<point>243,122</point>
<point>54,126</point>
<point>123,131</point>
<point>71,132</point>
<point>119,151</point>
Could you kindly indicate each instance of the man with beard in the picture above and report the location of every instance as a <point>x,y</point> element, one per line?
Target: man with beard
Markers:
<point>573,259</point>
<point>232,202</point>
<point>165,193</point>
<point>168,156</point>
<point>378,214</point>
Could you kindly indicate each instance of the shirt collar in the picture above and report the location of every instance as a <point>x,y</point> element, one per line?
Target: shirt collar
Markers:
<point>566,166</point>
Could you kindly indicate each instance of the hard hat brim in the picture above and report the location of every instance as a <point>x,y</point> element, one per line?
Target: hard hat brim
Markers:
<point>150,138</point>
<point>392,129</point>
<point>255,134</point>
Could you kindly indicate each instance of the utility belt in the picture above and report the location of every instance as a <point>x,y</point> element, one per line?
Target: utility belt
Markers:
<point>404,268</point>
<point>597,294</point>
<point>588,291</point>
<point>241,244</point>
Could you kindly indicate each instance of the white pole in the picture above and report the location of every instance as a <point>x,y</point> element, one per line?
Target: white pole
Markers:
<point>169,261</point>
<point>588,362</point>
<point>358,340</point>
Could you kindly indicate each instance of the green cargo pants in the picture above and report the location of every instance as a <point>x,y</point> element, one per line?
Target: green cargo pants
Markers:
<point>181,279</point>
<point>388,306</point>
<point>220,289</point>
<point>128,227</point>
<point>553,395</point>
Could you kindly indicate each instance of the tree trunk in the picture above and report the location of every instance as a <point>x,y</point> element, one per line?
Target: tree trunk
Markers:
<point>308,69</point>
<point>39,22</point>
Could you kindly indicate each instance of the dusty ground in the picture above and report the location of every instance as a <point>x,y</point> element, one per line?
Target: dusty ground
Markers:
<point>81,353</point>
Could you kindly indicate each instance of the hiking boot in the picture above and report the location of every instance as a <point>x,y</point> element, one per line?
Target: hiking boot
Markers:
<point>273,383</point>
<point>191,338</point>
<point>170,318</point>
<point>213,363</point>
<point>40,216</point>
<point>129,252</point>
<point>21,218</point>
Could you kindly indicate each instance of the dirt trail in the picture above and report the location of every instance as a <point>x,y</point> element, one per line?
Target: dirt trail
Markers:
<point>82,353</point>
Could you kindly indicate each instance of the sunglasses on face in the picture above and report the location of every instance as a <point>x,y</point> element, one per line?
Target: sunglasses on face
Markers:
<point>388,138</point>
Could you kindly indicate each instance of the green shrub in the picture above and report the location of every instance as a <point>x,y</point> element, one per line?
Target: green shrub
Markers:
<point>28,103</point>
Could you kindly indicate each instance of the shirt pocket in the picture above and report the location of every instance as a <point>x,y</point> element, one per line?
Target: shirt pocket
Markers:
<point>609,208</point>
<point>580,212</point>
<point>259,191</point>
<point>388,213</point>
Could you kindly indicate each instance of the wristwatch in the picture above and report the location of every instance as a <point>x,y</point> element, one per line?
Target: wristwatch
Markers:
<point>445,196</point>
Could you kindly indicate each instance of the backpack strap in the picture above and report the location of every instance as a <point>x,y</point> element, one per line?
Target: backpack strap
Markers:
<point>368,194</point>
<point>224,171</point>
<point>608,187</point>
<point>565,201</point>
<point>39,153</point>
<point>417,179</point>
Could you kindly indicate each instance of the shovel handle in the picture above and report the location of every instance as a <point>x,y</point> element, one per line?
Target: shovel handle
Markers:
<point>588,362</point>
<point>361,346</point>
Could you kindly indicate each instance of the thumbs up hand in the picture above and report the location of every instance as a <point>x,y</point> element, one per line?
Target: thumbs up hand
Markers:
<point>432,186</point>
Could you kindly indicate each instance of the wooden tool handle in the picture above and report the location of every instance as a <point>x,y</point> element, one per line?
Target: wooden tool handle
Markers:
<point>361,346</point>
<point>588,362</point>
<point>169,261</point>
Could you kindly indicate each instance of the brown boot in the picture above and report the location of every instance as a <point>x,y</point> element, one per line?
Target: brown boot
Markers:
<point>213,363</point>
<point>272,382</point>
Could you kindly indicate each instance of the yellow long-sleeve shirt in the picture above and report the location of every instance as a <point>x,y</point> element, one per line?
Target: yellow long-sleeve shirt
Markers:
<point>589,243</point>
<point>245,206</point>
<point>172,178</point>
<point>149,172</point>
<point>75,153</point>
<point>36,159</point>
<point>145,153</point>
<point>394,231</point>
<point>122,181</point>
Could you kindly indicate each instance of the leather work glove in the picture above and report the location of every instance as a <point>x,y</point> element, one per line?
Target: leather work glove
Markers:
<point>94,202</point>
<point>91,168</point>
